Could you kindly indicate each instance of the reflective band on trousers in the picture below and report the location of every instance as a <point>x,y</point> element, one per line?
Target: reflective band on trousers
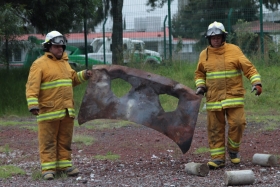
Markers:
<point>233,144</point>
<point>217,151</point>
<point>64,163</point>
<point>224,103</point>
<point>58,164</point>
<point>48,165</point>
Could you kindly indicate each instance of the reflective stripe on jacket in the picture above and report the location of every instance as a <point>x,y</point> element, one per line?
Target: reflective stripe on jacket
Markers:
<point>49,87</point>
<point>220,71</point>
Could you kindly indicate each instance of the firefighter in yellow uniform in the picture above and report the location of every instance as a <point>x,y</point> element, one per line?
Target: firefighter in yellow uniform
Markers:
<point>49,93</point>
<point>219,77</point>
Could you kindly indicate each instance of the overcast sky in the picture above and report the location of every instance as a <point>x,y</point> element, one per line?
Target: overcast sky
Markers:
<point>137,8</point>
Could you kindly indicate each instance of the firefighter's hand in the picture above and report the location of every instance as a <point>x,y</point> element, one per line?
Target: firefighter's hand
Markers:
<point>200,90</point>
<point>258,89</point>
<point>35,112</point>
<point>88,73</point>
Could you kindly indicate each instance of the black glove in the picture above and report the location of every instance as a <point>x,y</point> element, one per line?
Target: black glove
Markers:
<point>35,111</point>
<point>258,89</point>
<point>200,90</point>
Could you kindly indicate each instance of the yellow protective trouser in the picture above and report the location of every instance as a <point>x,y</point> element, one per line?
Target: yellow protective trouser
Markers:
<point>55,138</point>
<point>217,131</point>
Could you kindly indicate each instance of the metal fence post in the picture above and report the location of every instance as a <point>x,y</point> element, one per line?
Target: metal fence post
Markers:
<point>164,44</point>
<point>229,23</point>
<point>104,55</point>
<point>170,31</point>
<point>85,35</point>
<point>261,28</point>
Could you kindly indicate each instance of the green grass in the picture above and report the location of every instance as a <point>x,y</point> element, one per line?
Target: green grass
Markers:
<point>168,103</point>
<point>10,170</point>
<point>260,118</point>
<point>271,127</point>
<point>108,156</point>
<point>36,175</point>
<point>84,139</point>
<point>201,150</point>
<point>13,101</point>
<point>277,157</point>
<point>12,92</point>
<point>100,124</point>
<point>269,119</point>
<point>32,128</point>
<point>11,122</point>
<point>76,124</point>
<point>5,149</point>
<point>120,87</point>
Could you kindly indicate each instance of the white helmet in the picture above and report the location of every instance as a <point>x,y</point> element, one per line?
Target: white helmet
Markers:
<point>55,38</point>
<point>215,28</point>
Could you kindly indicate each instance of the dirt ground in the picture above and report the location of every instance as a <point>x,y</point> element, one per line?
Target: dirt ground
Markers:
<point>147,158</point>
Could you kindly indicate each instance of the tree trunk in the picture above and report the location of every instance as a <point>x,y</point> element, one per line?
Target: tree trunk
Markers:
<point>117,34</point>
<point>7,54</point>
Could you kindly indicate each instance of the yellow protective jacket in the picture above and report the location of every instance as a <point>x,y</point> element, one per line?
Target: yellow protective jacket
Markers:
<point>219,70</point>
<point>49,87</point>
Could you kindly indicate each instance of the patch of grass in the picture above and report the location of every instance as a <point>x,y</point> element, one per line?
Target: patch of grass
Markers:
<point>13,102</point>
<point>61,175</point>
<point>8,123</point>
<point>271,127</point>
<point>32,128</point>
<point>5,149</point>
<point>201,150</point>
<point>108,156</point>
<point>168,102</point>
<point>36,175</point>
<point>12,92</point>
<point>264,117</point>
<point>13,123</point>
<point>100,124</point>
<point>120,87</point>
<point>87,140</point>
<point>76,124</point>
<point>271,121</point>
<point>277,157</point>
<point>10,170</point>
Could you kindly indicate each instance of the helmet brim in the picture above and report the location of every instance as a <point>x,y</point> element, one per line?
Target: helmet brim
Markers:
<point>215,31</point>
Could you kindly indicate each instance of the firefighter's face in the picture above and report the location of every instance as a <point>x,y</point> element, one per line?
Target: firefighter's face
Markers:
<point>216,41</point>
<point>57,51</point>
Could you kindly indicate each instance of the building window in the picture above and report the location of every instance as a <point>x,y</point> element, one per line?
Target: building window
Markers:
<point>17,55</point>
<point>187,48</point>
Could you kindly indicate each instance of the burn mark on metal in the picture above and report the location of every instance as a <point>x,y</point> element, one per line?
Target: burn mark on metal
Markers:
<point>141,104</point>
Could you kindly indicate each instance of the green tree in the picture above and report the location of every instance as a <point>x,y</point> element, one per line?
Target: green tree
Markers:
<point>193,20</point>
<point>246,40</point>
<point>66,15</point>
<point>62,15</point>
<point>114,8</point>
<point>271,4</point>
<point>11,28</point>
<point>124,24</point>
<point>157,3</point>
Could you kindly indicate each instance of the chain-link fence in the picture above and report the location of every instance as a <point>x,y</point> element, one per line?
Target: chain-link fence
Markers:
<point>175,31</point>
